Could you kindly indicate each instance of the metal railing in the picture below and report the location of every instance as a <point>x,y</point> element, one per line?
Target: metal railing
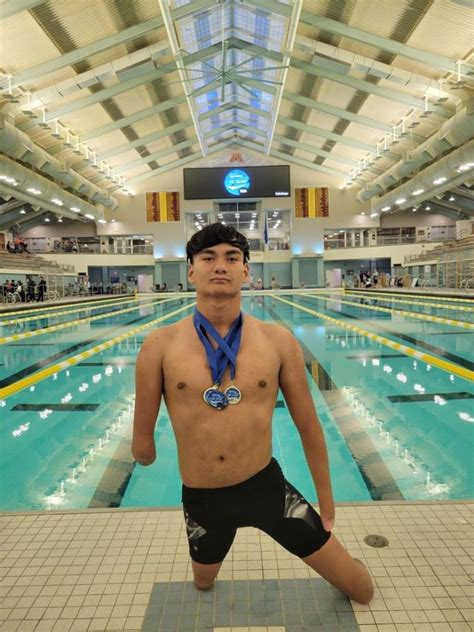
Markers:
<point>343,239</point>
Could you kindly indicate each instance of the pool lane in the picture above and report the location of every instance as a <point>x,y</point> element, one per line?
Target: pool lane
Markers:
<point>11,317</point>
<point>12,382</point>
<point>415,296</point>
<point>33,323</point>
<point>414,304</point>
<point>390,310</point>
<point>395,325</point>
<point>408,424</point>
<point>71,323</point>
<point>410,351</point>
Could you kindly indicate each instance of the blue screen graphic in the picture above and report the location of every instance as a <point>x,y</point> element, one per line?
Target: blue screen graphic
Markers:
<point>237,182</point>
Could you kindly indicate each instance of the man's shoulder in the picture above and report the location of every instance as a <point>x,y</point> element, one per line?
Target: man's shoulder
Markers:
<point>162,337</point>
<point>273,330</point>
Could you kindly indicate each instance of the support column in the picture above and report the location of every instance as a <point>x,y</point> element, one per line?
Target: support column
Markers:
<point>295,275</point>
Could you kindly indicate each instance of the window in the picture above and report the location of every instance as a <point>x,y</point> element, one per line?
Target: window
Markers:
<point>278,226</point>
<point>196,221</point>
<point>244,217</point>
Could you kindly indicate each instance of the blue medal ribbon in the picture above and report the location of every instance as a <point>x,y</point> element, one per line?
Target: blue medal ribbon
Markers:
<point>220,358</point>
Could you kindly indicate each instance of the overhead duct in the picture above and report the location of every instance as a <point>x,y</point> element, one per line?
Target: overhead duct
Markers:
<point>141,60</point>
<point>19,145</point>
<point>453,133</point>
<point>343,61</point>
<point>446,167</point>
<point>27,179</point>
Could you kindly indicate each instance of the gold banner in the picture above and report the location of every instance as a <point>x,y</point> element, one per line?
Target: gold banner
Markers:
<point>312,202</point>
<point>163,206</point>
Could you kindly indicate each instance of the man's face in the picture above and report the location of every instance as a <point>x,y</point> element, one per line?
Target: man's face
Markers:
<point>219,271</point>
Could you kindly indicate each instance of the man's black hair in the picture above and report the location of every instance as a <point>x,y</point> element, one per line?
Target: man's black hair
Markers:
<point>215,234</point>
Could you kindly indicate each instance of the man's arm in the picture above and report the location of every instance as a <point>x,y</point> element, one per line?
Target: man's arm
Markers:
<point>148,390</point>
<point>294,385</point>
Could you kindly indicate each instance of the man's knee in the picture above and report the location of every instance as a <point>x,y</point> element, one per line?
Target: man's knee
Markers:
<point>364,591</point>
<point>205,574</point>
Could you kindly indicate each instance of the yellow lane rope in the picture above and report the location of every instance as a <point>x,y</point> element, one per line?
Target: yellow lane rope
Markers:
<point>65,309</point>
<point>435,319</point>
<point>7,391</point>
<point>461,308</point>
<point>424,296</point>
<point>444,365</point>
<point>79,321</point>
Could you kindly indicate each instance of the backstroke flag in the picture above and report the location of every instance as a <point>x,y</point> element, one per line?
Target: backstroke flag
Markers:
<point>162,206</point>
<point>311,202</point>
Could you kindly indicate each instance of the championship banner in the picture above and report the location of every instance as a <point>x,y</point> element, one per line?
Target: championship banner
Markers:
<point>312,202</point>
<point>162,206</point>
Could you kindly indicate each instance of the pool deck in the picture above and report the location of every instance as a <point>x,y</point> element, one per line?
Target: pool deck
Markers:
<point>108,570</point>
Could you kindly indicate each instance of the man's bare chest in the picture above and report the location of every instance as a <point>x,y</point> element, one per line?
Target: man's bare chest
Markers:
<point>186,369</point>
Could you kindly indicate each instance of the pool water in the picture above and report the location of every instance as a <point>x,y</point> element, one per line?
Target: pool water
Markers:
<point>398,424</point>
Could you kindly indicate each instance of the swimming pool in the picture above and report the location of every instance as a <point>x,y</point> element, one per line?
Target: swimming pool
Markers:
<point>391,378</point>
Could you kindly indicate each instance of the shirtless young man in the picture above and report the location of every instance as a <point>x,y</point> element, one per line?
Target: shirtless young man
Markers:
<point>230,479</point>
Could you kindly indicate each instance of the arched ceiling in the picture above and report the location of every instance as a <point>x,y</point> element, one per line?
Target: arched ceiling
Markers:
<point>119,91</point>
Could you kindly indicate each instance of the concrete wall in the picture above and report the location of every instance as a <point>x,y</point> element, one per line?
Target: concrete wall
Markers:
<point>307,234</point>
<point>407,219</point>
<point>66,228</point>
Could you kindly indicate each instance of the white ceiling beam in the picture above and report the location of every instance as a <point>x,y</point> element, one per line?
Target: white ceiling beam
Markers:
<point>288,50</point>
<point>432,60</point>
<point>73,57</point>
<point>178,56</point>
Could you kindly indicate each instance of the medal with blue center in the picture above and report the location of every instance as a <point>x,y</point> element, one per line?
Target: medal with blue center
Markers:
<point>233,394</point>
<point>215,398</point>
<point>219,359</point>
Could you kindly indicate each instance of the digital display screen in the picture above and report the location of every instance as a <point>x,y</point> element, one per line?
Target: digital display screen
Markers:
<point>236,182</point>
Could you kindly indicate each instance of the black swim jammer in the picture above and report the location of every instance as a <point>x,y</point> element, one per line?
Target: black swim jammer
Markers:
<point>266,501</point>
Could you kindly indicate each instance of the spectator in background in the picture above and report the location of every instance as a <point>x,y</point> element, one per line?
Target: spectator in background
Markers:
<point>164,287</point>
<point>30,289</point>
<point>20,290</point>
<point>41,289</point>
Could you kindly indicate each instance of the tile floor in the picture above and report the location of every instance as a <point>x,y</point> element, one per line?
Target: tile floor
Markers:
<point>108,570</point>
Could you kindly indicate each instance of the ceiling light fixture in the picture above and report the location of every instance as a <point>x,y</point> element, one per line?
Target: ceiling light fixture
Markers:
<point>400,201</point>
<point>440,180</point>
<point>418,192</point>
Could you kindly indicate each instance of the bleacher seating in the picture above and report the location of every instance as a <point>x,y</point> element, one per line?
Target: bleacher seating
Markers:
<point>29,262</point>
<point>443,251</point>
